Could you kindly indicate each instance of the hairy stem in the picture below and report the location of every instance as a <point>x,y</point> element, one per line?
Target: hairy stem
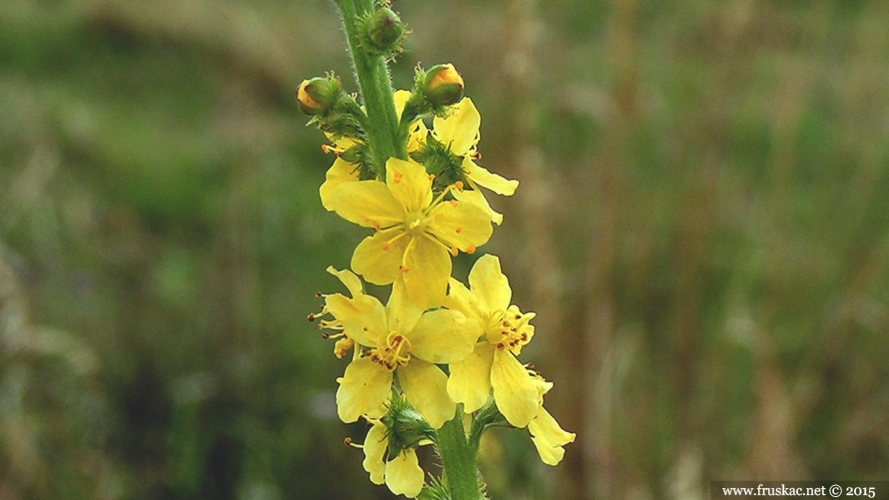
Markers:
<point>459,460</point>
<point>372,74</point>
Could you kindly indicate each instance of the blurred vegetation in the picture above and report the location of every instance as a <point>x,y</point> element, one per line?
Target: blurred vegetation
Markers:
<point>702,228</point>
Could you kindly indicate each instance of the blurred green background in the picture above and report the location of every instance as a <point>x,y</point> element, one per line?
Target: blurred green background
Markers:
<point>702,228</point>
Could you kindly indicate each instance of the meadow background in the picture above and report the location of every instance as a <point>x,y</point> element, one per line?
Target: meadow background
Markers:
<point>702,227</point>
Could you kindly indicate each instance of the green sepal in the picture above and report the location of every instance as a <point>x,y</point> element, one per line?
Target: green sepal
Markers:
<point>441,162</point>
<point>406,427</point>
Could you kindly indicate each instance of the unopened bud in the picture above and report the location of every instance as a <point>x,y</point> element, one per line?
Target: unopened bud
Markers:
<point>385,31</point>
<point>443,85</point>
<point>318,95</point>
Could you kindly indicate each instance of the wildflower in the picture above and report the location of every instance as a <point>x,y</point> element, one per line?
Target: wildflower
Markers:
<point>460,132</point>
<point>493,363</point>
<point>414,232</point>
<point>548,436</point>
<point>402,473</point>
<point>401,340</point>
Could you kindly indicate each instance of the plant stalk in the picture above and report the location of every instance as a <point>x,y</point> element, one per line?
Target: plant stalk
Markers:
<point>372,74</point>
<point>459,460</point>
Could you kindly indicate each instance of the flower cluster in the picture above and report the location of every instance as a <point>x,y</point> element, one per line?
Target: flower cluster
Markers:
<point>437,350</point>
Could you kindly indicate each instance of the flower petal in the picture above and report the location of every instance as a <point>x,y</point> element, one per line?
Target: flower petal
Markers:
<point>363,389</point>
<point>489,283</point>
<point>459,224</point>
<point>404,476</point>
<point>401,312</point>
<point>363,318</point>
<point>486,179</point>
<point>409,183</point>
<point>416,136</point>
<point>375,445</point>
<point>444,336</point>
<point>348,278</point>
<point>549,437</point>
<point>461,299</point>
<point>378,257</point>
<point>340,172</point>
<point>400,97</point>
<point>514,390</point>
<point>425,387</point>
<point>475,197</point>
<point>366,203</point>
<point>427,267</point>
<point>459,129</point>
<point>470,379</point>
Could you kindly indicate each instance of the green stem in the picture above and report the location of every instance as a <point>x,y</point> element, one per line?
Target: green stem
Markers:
<point>459,460</point>
<point>372,74</point>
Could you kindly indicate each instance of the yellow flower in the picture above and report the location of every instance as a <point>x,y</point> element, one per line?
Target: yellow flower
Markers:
<point>493,363</point>
<point>344,171</point>
<point>460,131</point>
<point>399,339</point>
<point>548,436</point>
<point>414,232</point>
<point>359,301</point>
<point>402,474</point>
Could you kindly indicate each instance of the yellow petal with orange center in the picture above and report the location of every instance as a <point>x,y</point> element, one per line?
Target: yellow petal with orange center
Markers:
<point>409,183</point>
<point>404,476</point>
<point>514,390</point>
<point>363,389</point>
<point>470,379</point>
<point>425,387</point>
<point>379,257</point>
<point>366,203</point>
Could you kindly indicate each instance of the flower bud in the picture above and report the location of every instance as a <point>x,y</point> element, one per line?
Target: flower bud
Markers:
<point>385,31</point>
<point>443,86</point>
<point>318,95</point>
<point>406,427</point>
